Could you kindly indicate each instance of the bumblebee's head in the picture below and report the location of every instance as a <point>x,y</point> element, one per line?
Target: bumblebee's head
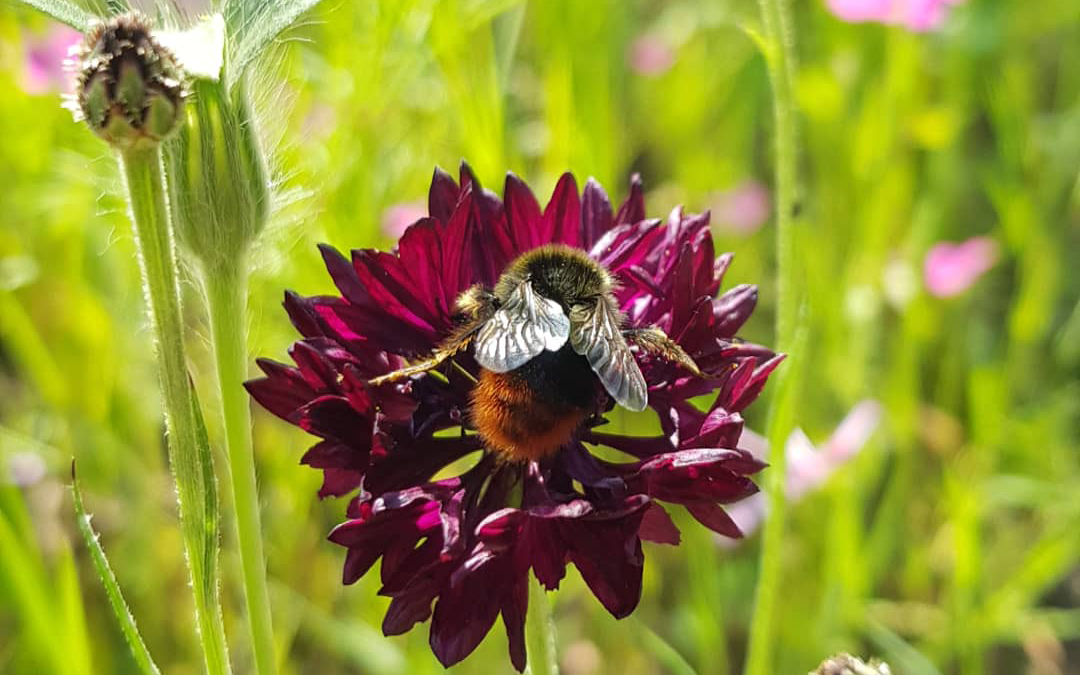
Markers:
<point>563,274</point>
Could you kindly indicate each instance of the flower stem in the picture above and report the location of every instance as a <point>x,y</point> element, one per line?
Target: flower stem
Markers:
<point>189,454</point>
<point>540,634</point>
<point>791,332</point>
<point>226,296</point>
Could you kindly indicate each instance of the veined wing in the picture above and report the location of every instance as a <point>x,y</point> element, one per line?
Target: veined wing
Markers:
<point>524,326</point>
<point>595,333</point>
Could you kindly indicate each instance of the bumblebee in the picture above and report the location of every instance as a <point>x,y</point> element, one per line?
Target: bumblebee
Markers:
<point>550,342</point>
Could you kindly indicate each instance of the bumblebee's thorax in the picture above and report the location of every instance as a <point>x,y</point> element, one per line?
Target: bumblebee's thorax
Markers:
<point>563,274</point>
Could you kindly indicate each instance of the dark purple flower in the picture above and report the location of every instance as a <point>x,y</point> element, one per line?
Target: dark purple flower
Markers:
<point>458,549</point>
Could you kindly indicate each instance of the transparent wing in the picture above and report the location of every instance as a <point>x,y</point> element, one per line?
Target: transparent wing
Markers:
<point>595,333</point>
<point>524,326</point>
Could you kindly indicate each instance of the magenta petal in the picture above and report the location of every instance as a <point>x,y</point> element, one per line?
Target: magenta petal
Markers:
<point>715,518</point>
<point>335,419</point>
<point>633,209</point>
<point>627,245</point>
<point>522,214</point>
<point>747,389</point>
<point>596,214</point>
<point>610,560</point>
<point>467,608</point>
<point>442,196</point>
<point>561,222</point>
<point>302,315</point>
<point>420,249</point>
<point>357,563</point>
<point>331,455</point>
<point>719,429</point>
<point>411,607</point>
<point>339,482</point>
<point>657,526</point>
<point>462,251</point>
<point>344,276</point>
<point>701,474</point>
<point>282,391</point>
<point>514,610</point>
<point>733,308</point>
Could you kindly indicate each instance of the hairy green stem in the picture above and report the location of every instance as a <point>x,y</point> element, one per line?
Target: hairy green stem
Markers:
<point>791,337</point>
<point>226,297</point>
<point>189,454</point>
<point>540,633</point>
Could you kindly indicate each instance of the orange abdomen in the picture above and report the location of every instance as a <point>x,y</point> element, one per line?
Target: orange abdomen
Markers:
<point>516,422</point>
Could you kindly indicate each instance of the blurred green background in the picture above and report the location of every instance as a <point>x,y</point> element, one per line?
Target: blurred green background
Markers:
<point>949,544</point>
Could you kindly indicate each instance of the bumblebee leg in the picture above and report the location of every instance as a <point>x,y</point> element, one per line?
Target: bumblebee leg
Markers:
<point>416,369</point>
<point>654,341</point>
<point>476,304</point>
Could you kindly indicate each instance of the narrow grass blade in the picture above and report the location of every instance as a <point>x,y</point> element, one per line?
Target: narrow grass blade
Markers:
<point>112,589</point>
<point>663,651</point>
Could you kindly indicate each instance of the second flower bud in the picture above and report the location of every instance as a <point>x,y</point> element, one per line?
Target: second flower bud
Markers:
<point>218,185</point>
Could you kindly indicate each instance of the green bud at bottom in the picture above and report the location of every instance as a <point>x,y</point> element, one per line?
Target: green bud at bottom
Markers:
<point>218,187</point>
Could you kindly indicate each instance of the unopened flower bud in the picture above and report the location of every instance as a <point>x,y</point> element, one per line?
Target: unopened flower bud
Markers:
<point>129,88</point>
<point>218,183</point>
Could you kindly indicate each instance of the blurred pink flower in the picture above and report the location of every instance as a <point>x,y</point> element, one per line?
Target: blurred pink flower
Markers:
<point>43,67</point>
<point>397,218</point>
<point>951,269</point>
<point>916,15</point>
<point>743,209</point>
<point>650,55</point>
<point>807,467</point>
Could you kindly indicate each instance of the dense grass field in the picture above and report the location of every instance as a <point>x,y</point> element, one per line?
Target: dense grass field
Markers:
<point>937,227</point>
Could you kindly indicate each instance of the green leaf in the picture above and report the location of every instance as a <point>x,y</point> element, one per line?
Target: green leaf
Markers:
<point>112,589</point>
<point>204,457</point>
<point>69,602</point>
<point>64,12</point>
<point>252,25</point>
<point>662,650</point>
<point>903,656</point>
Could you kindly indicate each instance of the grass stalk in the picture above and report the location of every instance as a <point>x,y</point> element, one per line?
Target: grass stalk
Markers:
<point>791,333</point>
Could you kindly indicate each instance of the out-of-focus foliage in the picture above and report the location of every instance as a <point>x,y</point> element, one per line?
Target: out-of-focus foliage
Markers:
<point>950,544</point>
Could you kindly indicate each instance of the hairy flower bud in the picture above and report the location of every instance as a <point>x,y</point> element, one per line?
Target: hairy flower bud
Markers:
<point>129,88</point>
<point>217,176</point>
